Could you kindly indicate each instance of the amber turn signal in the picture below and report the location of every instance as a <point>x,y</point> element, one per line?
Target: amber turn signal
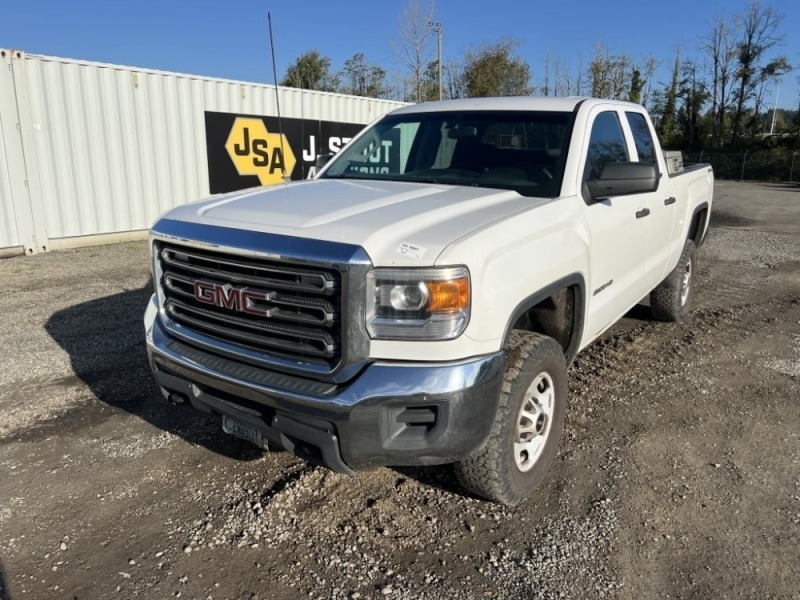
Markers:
<point>448,296</point>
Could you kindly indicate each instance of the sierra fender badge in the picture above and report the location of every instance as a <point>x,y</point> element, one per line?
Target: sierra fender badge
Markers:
<point>602,287</point>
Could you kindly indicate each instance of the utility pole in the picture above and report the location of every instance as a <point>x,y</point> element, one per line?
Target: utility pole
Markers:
<point>437,27</point>
<point>774,110</point>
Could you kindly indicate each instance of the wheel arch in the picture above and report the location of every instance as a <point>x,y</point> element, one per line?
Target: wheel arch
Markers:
<point>698,224</point>
<point>571,290</point>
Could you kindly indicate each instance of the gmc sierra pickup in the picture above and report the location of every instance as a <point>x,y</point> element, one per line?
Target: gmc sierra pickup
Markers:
<point>420,300</point>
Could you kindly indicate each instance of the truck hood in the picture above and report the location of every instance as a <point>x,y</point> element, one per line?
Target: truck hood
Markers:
<point>397,223</point>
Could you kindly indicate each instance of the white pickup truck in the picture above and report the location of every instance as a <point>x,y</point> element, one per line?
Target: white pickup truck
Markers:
<point>419,301</point>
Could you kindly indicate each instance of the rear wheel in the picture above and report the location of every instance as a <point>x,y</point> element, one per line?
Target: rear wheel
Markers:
<point>671,300</point>
<point>528,424</point>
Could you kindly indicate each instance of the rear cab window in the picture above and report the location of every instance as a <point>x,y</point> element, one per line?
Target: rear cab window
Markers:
<point>642,138</point>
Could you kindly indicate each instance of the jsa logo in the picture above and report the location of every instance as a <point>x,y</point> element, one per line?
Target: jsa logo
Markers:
<point>256,151</point>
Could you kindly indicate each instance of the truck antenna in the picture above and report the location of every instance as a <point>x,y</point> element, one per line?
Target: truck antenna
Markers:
<point>277,97</point>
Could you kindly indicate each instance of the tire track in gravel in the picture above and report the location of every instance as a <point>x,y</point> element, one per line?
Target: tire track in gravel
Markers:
<point>407,531</point>
<point>708,421</point>
<point>677,475</point>
<point>418,538</point>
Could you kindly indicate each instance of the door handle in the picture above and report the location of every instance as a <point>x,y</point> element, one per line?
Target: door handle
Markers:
<point>642,213</point>
<point>670,200</point>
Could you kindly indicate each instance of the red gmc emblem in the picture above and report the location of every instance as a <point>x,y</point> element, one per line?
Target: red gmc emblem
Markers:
<point>226,296</point>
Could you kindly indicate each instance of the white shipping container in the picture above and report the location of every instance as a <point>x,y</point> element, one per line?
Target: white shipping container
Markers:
<point>91,152</point>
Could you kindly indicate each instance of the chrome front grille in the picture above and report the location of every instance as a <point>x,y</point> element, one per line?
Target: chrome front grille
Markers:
<point>275,307</point>
<point>276,276</point>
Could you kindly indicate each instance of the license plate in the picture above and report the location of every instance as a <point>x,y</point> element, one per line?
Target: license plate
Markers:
<point>243,431</point>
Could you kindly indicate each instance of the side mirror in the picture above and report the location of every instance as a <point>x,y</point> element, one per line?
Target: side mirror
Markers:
<point>323,160</point>
<point>624,178</point>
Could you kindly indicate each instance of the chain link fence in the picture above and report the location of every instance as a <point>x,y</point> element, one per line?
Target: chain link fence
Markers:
<point>760,165</point>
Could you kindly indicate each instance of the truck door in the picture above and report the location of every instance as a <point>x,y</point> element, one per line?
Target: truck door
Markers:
<point>617,228</point>
<point>661,204</point>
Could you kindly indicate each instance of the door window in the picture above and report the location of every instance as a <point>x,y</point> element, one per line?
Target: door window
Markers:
<point>606,144</point>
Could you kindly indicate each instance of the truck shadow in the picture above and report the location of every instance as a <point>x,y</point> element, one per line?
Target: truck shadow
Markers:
<point>640,312</point>
<point>4,593</point>
<point>437,476</point>
<point>786,186</point>
<point>727,219</point>
<point>104,339</point>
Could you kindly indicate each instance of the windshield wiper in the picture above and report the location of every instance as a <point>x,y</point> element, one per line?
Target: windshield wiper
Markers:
<point>381,177</point>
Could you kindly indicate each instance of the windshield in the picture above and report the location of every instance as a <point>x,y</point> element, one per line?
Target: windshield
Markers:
<point>522,151</point>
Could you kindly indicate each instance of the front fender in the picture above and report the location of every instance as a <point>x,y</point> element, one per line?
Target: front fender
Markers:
<point>518,262</point>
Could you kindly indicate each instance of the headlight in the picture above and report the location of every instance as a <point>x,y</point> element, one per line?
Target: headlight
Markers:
<point>429,304</point>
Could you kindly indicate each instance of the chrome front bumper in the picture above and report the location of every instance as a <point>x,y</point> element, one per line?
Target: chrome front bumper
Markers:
<point>391,413</point>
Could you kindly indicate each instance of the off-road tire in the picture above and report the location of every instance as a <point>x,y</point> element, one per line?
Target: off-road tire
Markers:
<point>672,299</point>
<point>492,472</point>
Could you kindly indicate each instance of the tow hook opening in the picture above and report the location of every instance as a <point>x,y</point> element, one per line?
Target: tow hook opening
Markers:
<point>417,425</point>
<point>177,398</point>
<point>304,450</point>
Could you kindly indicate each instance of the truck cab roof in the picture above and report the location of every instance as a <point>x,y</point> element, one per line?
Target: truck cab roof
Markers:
<point>514,103</point>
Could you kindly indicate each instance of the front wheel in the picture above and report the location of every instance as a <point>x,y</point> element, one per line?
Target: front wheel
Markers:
<point>528,424</point>
<point>671,300</point>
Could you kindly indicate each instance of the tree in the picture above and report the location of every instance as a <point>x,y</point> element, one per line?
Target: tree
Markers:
<point>610,75</point>
<point>579,73</point>
<point>493,70</point>
<point>454,86</point>
<point>429,88</point>
<point>311,71</point>
<point>564,81</point>
<point>693,95</point>
<point>759,35</point>
<point>600,72</point>
<point>650,64</point>
<point>666,129</point>
<point>798,108</point>
<point>363,78</point>
<point>720,46</point>
<point>414,47</point>
<point>561,81</point>
<point>772,72</point>
<point>637,84</point>
<point>395,86</point>
<point>546,89</point>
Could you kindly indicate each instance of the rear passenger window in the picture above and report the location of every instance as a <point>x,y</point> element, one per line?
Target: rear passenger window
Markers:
<point>645,147</point>
<point>606,144</point>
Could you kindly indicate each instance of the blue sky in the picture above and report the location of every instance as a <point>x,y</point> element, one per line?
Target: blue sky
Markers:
<point>230,39</point>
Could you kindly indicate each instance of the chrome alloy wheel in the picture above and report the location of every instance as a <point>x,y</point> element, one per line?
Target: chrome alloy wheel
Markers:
<point>533,422</point>
<point>686,282</point>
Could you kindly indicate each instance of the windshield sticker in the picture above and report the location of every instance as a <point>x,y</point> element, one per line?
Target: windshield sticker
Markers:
<point>412,250</point>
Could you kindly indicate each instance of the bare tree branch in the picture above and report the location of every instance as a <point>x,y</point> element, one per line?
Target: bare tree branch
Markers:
<point>414,46</point>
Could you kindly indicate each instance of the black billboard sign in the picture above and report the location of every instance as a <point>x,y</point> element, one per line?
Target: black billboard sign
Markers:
<point>247,150</point>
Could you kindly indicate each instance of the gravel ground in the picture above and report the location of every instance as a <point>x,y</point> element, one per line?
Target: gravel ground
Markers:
<point>678,475</point>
